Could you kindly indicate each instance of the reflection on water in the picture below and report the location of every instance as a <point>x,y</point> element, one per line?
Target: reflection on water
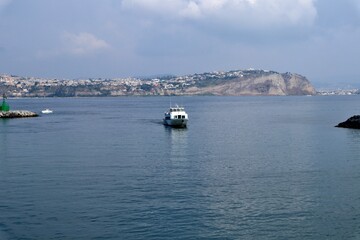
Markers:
<point>177,138</point>
<point>4,137</point>
<point>353,135</point>
<point>353,143</point>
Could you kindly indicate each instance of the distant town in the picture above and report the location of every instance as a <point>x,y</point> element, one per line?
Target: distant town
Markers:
<point>252,82</point>
<point>339,91</point>
<point>42,87</point>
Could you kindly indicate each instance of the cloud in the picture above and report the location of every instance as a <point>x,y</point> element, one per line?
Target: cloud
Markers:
<point>239,13</point>
<point>357,4</point>
<point>75,44</point>
<point>3,3</point>
<point>82,43</point>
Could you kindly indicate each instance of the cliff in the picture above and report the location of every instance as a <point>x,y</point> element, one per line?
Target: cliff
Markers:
<point>230,83</point>
<point>259,83</point>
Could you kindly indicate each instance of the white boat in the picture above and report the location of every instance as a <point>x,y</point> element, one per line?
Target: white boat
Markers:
<point>176,117</point>
<point>46,111</point>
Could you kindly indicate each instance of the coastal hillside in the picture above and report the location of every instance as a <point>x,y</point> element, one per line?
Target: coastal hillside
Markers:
<point>253,82</point>
<point>230,83</point>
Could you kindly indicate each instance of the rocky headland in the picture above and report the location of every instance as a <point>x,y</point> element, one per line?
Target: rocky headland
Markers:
<point>229,83</point>
<point>18,114</point>
<point>353,122</point>
<point>255,82</point>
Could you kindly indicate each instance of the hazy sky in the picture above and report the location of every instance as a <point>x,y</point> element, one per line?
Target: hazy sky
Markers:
<point>119,38</point>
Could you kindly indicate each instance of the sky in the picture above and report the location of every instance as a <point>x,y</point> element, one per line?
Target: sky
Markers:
<point>131,38</point>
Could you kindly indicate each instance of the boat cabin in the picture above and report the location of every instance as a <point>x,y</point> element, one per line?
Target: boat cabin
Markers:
<point>179,117</point>
<point>177,109</point>
<point>176,113</point>
<point>176,117</point>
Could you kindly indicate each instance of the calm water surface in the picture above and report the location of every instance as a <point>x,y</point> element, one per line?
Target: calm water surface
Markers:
<point>245,168</point>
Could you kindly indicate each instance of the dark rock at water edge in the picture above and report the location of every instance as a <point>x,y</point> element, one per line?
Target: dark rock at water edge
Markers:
<point>353,122</point>
<point>18,114</point>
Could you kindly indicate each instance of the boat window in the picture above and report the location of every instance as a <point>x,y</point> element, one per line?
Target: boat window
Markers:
<point>183,116</point>
<point>175,117</point>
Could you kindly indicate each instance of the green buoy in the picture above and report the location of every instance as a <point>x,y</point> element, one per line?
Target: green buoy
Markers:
<point>4,106</point>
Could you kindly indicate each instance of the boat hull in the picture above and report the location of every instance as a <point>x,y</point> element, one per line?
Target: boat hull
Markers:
<point>180,123</point>
<point>46,111</point>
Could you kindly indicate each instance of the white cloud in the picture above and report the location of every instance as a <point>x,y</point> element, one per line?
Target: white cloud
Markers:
<point>242,13</point>
<point>3,3</point>
<point>82,43</point>
<point>357,4</point>
<point>75,44</point>
<point>192,10</point>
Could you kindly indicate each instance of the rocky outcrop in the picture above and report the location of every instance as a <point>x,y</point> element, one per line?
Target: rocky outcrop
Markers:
<point>257,83</point>
<point>18,114</point>
<point>353,122</point>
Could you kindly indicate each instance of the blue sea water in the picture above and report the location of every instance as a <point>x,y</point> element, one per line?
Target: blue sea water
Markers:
<point>245,168</point>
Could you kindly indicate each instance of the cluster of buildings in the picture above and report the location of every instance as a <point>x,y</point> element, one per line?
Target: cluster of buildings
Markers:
<point>15,86</point>
<point>328,92</point>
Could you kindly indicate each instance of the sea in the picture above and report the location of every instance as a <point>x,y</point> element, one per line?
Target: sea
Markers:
<point>244,168</point>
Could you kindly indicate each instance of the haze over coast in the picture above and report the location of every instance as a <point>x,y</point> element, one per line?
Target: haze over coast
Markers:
<point>230,83</point>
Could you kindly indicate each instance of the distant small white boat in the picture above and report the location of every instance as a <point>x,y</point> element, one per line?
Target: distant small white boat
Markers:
<point>46,111</point>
